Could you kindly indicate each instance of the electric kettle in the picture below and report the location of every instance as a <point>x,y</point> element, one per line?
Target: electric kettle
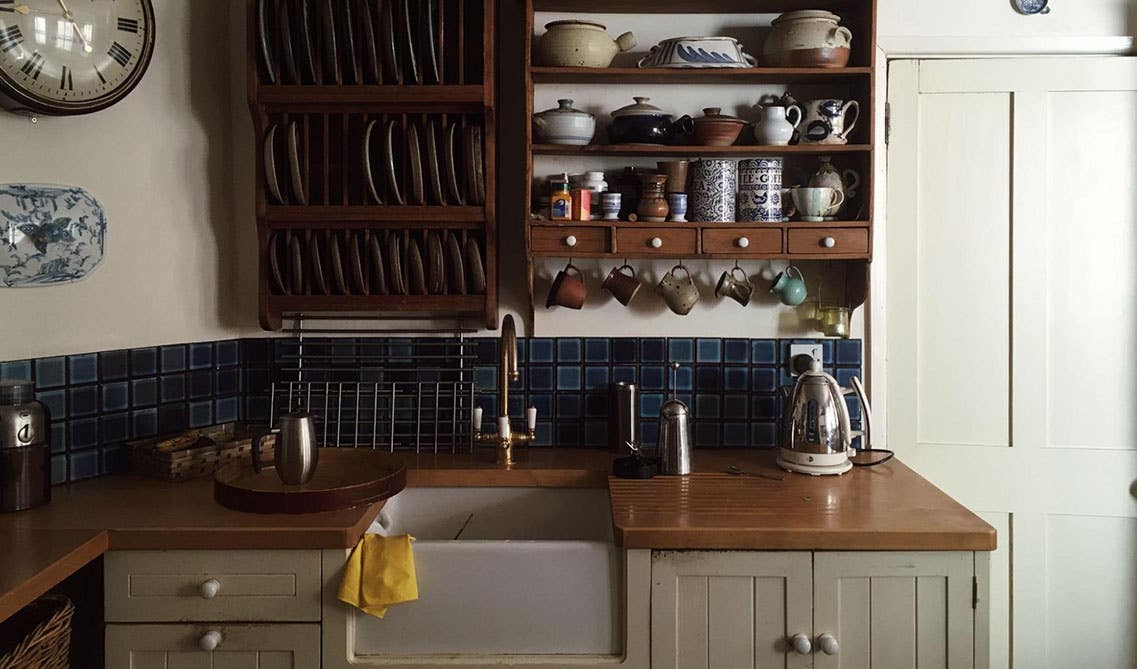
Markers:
<point>818,434</point>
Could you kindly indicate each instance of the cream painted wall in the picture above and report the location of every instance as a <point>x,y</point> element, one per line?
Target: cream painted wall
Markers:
<point>162,163</point>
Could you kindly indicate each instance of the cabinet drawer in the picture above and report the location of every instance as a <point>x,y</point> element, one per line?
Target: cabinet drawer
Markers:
<point>672,242</point>
<point>570,240</point>
<point>161,586</point>
<point>742,242</point>
<point>846,241</point>
<point>237,646</point>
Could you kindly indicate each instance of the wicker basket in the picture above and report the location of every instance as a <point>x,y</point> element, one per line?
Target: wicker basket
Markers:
<point>194,453</point>
<point>42,635</point>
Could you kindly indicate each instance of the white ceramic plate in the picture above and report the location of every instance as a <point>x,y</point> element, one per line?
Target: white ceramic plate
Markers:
<point>270,166</point>
<point>368,174</point>
<point>389,162</point>
<point>262,33</point>
<point>294,160</point>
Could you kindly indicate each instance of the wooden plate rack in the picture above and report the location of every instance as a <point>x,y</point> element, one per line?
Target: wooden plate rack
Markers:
<point>330,108</point>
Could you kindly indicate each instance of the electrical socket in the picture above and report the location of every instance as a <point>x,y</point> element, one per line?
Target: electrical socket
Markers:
<point>814,351</point>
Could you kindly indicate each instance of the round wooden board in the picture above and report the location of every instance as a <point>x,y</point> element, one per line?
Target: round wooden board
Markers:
<point>344,478</point>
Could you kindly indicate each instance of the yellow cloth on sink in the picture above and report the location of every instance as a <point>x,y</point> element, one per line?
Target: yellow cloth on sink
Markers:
<point>380,573</point>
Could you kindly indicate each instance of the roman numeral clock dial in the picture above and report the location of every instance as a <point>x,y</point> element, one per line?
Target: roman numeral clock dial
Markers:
<point>72,56</point>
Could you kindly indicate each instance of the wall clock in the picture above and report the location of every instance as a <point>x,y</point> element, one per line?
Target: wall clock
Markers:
<point>62,57</point>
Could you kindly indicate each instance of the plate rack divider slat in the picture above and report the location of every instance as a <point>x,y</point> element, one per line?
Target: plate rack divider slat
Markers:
<point>302,74</point>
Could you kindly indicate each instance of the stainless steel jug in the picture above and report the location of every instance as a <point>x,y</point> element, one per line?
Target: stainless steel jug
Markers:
<point>296,451</point>
<point>674,439</point>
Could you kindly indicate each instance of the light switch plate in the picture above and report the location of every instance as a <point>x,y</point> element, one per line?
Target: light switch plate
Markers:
<point>812,350</point>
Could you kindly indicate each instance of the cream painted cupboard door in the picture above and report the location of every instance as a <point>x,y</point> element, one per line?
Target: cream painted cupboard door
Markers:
<point>729,609</point>
<point>1011,327</point>
<point>238,647</point>
<point>893,610</point>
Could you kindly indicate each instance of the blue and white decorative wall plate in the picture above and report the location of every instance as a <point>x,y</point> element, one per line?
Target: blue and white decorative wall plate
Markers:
<point>1032,6</point>
<point>48,234</point>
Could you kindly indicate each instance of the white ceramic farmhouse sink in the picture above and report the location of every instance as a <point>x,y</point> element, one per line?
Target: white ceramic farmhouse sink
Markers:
<point>502,571</point>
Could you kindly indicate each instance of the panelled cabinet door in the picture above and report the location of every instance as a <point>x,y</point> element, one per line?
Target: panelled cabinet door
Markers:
<point>885,610</point>
<point>729,609</point>
<point>233,646</point>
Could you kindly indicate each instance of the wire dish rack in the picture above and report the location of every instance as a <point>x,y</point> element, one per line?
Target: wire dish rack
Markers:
<point>391,389</point>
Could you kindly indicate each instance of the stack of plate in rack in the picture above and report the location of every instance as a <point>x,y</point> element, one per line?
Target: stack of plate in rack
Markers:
<point>375,262</point>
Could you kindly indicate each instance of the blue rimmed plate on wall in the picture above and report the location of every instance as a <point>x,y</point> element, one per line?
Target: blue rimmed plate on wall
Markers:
<point>1031,6</point>
<point>50,234</point>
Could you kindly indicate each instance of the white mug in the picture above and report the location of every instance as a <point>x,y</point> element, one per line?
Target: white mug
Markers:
<point>813,203</point>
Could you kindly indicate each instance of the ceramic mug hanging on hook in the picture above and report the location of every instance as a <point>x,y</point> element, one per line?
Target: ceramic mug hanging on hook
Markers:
<point>736,285</point>
<point>679,294</point>
<point>568,289</point>
<point>790,289</point>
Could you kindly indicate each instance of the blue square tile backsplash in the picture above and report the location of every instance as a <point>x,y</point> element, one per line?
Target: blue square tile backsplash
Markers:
<point>99,401</point>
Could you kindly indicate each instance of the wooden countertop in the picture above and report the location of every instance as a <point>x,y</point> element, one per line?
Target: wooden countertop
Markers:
<point>884,508</point>
<point>887,507</point>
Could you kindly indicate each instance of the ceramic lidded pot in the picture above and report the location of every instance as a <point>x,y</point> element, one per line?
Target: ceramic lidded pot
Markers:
<point>713,187</point>
<point>644,123</point>
<point>715,128</point>
<point>807,38</point>
<point>564,125</point>
<point>581,44</point>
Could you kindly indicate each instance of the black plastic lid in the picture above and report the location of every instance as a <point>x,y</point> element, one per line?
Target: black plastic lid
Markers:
<point>16,392</point>
<point>634,467</point>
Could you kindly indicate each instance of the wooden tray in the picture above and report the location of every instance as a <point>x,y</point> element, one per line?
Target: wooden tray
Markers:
<point>345,478</point>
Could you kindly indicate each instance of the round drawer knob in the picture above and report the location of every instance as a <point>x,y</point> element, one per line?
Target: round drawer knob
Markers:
<point>210,588</point>
<point>656,243</point>
<point>801,644</point>
<point>210,641</point>
<point>742,242</point>
<point>828,242</point>
<point>828,644</point>
<point>570,240</point>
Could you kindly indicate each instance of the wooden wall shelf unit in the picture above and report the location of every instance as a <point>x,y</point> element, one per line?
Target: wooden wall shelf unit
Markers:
<point>840,240</point>
<point>328,95</point>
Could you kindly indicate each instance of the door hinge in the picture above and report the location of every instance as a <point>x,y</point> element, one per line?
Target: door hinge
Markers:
<point>887,122</point>
<point>974,592</point>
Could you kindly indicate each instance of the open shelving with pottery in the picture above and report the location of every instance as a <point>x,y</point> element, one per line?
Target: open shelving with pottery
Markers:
<point>375,170</point>
<point>599,90</point>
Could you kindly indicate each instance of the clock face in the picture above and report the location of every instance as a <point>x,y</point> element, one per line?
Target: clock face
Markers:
<point>73,56</point>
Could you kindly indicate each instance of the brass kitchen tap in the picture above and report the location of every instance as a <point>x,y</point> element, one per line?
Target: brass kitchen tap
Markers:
<point>505,438</point>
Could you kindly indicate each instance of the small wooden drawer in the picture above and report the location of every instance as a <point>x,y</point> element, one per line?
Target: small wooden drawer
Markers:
<point>829,241</point>
<point>668,242</point>
<point>742,242</point>
<point>569,240</point>
<point>165,586</point>
<point>212,645</point>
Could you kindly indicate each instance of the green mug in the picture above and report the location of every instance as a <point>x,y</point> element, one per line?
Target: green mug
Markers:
<point>790,289</point>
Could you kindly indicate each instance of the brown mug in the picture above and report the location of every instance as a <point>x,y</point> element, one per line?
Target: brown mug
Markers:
<point>735,285</point>
<point>568,289</point>
<point>680,295</point>
<point>622,286</point>
<point>676,171</point>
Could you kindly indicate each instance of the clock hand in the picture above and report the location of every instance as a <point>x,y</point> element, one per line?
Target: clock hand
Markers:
<point>82,38</point>
<point>22,9</point>
<point>66,12</point>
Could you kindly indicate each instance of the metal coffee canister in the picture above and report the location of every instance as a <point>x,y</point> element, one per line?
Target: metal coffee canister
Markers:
<point>713,187</point>
<point>760,190</point>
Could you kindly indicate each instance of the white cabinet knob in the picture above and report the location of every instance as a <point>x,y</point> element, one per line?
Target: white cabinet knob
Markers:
<point>828,644</point>
<point>210,641</point>
<point>570,240</point>
<point>209,588</point>
<point>829,242</point>
<point>742,242</point>
<point>801,644</point>
<point>656,243</point>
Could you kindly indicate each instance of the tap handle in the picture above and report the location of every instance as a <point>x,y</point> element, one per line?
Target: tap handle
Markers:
<point>531,419</point>
<point>477,419</point>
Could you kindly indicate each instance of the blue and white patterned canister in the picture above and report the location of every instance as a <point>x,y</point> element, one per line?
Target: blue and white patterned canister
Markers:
<point>713,187</point>
<point>760,190</point>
